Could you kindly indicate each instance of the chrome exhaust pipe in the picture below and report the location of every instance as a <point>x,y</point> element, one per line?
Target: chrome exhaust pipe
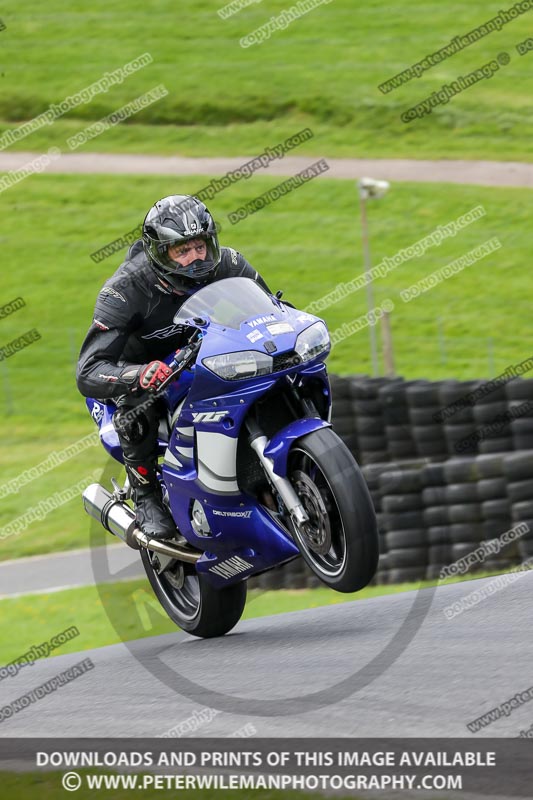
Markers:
<point>119,519</point>
<point>160,546</point>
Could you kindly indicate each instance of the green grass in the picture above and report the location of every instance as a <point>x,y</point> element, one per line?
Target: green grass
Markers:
<point>305,244</point>
<point>47,785</point>
<point>323,71</point>
<point>110,613</point>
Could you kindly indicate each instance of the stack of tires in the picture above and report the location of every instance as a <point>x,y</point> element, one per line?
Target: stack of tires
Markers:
<point>273,579</point>
<point>426,427</point>
<point>377,486</point>
<point>372,474</point>
<point>383,419</point>
<point>518,470</point>
<point>496,509</point>
<point>402,532</point>
<point>519,395</point>
<point>437,533</point>
<point>398,436</point>
<point>459,424</point>
<point>453,514</point>
<point>342,416</point>
<point>369,420</point>
<point>463,505</point>
<point>484,509</point>
<point>493,427</point>
<point>294,575</point>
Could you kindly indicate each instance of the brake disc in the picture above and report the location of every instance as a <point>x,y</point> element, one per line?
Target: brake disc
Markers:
<point>317,531</point>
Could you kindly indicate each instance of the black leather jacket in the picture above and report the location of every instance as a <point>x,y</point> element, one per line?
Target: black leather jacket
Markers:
<point>133,325</point>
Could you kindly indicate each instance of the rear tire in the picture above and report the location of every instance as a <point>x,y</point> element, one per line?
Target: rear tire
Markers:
<point>340,542</point>
<point>196,607</point>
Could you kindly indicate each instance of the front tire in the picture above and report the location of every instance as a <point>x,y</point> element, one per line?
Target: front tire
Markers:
<point>340,541</point>
<point>192,602</point>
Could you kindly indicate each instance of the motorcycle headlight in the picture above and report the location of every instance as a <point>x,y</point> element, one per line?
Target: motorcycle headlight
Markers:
<point>313,341</point>
<point>236,366</point>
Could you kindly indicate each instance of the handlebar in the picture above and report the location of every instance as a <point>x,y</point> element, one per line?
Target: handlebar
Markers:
<point>181,361</point>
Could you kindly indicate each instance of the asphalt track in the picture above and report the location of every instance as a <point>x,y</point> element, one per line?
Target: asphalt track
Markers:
<point>68,570</point>
<point>389,666</point>
<point>481,173</point>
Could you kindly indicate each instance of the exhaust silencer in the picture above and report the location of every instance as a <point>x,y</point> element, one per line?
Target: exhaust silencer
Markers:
<point>119,519</point>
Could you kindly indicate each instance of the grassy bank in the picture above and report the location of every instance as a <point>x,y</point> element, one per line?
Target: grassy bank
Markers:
<point>322,70</point>
<point>34,786</point>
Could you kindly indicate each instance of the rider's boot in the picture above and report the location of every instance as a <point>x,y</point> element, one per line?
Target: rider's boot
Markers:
<point>151,515</point>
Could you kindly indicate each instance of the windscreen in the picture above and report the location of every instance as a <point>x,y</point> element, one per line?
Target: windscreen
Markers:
<point>227,302</point>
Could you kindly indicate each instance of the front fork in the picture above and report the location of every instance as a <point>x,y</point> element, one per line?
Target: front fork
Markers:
<point>258,442</point>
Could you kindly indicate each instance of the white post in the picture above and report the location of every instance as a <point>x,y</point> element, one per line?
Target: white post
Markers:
<point>368,187</point>
<point>369,286</point>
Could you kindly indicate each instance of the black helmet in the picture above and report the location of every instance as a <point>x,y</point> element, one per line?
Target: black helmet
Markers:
<point>174,220</point>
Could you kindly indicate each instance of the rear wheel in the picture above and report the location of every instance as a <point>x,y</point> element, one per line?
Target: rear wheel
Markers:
<point>191,601</point>
<point>340,541</point>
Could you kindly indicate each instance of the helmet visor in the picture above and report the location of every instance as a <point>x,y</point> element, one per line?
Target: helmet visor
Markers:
<point>193,258</point>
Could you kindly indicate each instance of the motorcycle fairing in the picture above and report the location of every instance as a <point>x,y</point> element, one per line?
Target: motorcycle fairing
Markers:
<point>208,411</point>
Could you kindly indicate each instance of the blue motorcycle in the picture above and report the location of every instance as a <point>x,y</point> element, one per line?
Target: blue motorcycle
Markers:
<point>251,469</point>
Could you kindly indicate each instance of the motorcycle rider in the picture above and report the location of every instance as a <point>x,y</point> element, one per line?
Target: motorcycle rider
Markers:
<point>133,330</point>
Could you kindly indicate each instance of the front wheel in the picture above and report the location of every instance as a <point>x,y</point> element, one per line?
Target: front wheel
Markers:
<point>191,601</point>
<point>340,540</point>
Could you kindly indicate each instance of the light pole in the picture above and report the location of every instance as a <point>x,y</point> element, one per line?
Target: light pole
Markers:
<point>370,188</point>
